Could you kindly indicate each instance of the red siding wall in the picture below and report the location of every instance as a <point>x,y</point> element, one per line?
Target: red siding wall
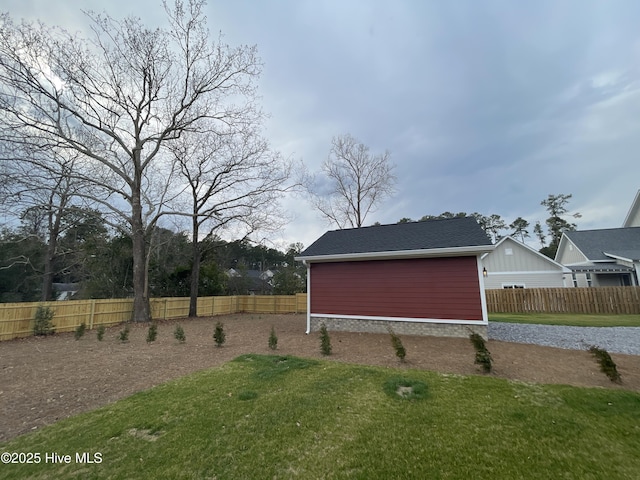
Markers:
<point>439,288</point>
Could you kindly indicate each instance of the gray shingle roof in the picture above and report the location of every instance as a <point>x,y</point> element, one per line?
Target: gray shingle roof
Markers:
<point>431,234</point>
<point>623,242</point>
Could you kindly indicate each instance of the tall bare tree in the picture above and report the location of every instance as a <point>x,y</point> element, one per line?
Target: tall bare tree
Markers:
<point>42,198</point>
<point>357,182</point>
<point>234,181</point>
<point>118,98</point>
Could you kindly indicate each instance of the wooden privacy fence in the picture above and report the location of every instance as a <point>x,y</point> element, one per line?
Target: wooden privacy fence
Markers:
<point>17,319</point>
<point>594,300</point>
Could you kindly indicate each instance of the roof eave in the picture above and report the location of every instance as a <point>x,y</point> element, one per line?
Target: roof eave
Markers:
<point>622,258</point>
<point>421,253</point>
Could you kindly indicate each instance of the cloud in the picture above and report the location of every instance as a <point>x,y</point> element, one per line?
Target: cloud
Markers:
<point>485,106</point>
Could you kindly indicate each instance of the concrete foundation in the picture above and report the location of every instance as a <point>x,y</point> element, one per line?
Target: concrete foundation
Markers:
<point>401,328</point>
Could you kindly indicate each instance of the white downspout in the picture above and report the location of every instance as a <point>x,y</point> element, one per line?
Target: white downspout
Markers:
<point>308,265</point>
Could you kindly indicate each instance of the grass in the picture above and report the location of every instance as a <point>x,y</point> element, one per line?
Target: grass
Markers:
<point>283,417</point>
<point>570,319</point>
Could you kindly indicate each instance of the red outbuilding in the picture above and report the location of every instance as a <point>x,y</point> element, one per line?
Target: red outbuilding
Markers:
<point>420,278</point>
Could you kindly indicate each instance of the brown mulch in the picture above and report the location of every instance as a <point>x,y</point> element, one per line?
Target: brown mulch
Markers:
<point>43,380</point>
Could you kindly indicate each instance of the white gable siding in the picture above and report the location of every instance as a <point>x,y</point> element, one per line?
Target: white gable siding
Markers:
<point>511,256</point>
<point>512,263</point>
<point>528,279</point>
<point>568,253</point>
<point>634,220</point>
<point>633,216</point>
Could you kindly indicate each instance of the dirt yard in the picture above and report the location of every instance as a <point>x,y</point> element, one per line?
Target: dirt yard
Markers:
<point>43,380</point>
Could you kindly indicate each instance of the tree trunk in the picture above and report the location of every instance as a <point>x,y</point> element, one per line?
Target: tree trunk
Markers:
<point>47,277</point>
<point>53,225</point>
<point>195,272</point>
<point>141,306</point>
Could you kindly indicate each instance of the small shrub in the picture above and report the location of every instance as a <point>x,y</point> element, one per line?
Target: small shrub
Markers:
<point>219,336</point>
<point>100,332</point>
<point>325,340</point>
<point>273,339</point>
<point>179,334</point>
<point>152,334</point>
<point>43,324</point>
<point>401,352</point>
<point>477,341</point>
<point>80,329</point>
<point>483,357</point>
<point>124,334</point>
<point>607,365</point>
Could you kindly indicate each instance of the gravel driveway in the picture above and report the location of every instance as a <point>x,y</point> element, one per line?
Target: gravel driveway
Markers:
<point>613,339</point>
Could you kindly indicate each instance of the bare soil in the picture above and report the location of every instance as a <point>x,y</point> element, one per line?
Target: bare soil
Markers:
<point>45,379</point>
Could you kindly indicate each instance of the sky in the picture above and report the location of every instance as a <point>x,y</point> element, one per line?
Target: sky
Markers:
<point>485,106</point>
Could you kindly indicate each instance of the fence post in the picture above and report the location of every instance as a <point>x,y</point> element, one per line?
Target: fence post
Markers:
<point>91,315</point>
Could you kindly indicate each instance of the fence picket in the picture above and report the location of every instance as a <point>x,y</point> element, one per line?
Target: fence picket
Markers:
<point>588,300</point>
<point>16,319</point>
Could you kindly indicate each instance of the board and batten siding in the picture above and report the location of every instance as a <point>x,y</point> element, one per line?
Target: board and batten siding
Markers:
<point>527,280</point>
<point>568,254</point>
<point>511,256</point>
<point>513,263</point>
<point>422,288</point>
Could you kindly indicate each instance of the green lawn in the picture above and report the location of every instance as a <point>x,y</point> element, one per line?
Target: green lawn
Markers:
<point>571,319</point>
<point>285,417</point>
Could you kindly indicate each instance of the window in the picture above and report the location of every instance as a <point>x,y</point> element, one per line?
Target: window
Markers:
<point>513,285</point>
<point>575,279</point>
<point>589,282</point>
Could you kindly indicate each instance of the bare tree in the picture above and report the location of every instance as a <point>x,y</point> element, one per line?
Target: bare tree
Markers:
<point>42,198</point>
<point>358,181</point>
<point>118,99</point>
<point>234,181</point>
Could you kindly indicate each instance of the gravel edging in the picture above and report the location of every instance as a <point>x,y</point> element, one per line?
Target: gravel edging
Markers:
<point>613,339</point>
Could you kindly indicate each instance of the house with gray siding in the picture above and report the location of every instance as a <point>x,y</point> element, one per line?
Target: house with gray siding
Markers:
<point>601,258</point>
<point>513,264</point>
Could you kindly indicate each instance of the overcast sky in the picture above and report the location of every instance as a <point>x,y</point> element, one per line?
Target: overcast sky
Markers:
<point>485,106</point>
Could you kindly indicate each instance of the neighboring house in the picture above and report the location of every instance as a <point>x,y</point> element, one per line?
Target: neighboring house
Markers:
<point>601,258</point>
<point>633,216</point>
<point>262,275</point>
<point>65,291</point>
<point>420,278</point>
<point>512,264</point>
<point>251,282</point>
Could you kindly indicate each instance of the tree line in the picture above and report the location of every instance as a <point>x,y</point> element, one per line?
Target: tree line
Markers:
<point>98,261</point>
<point>495,226</point>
